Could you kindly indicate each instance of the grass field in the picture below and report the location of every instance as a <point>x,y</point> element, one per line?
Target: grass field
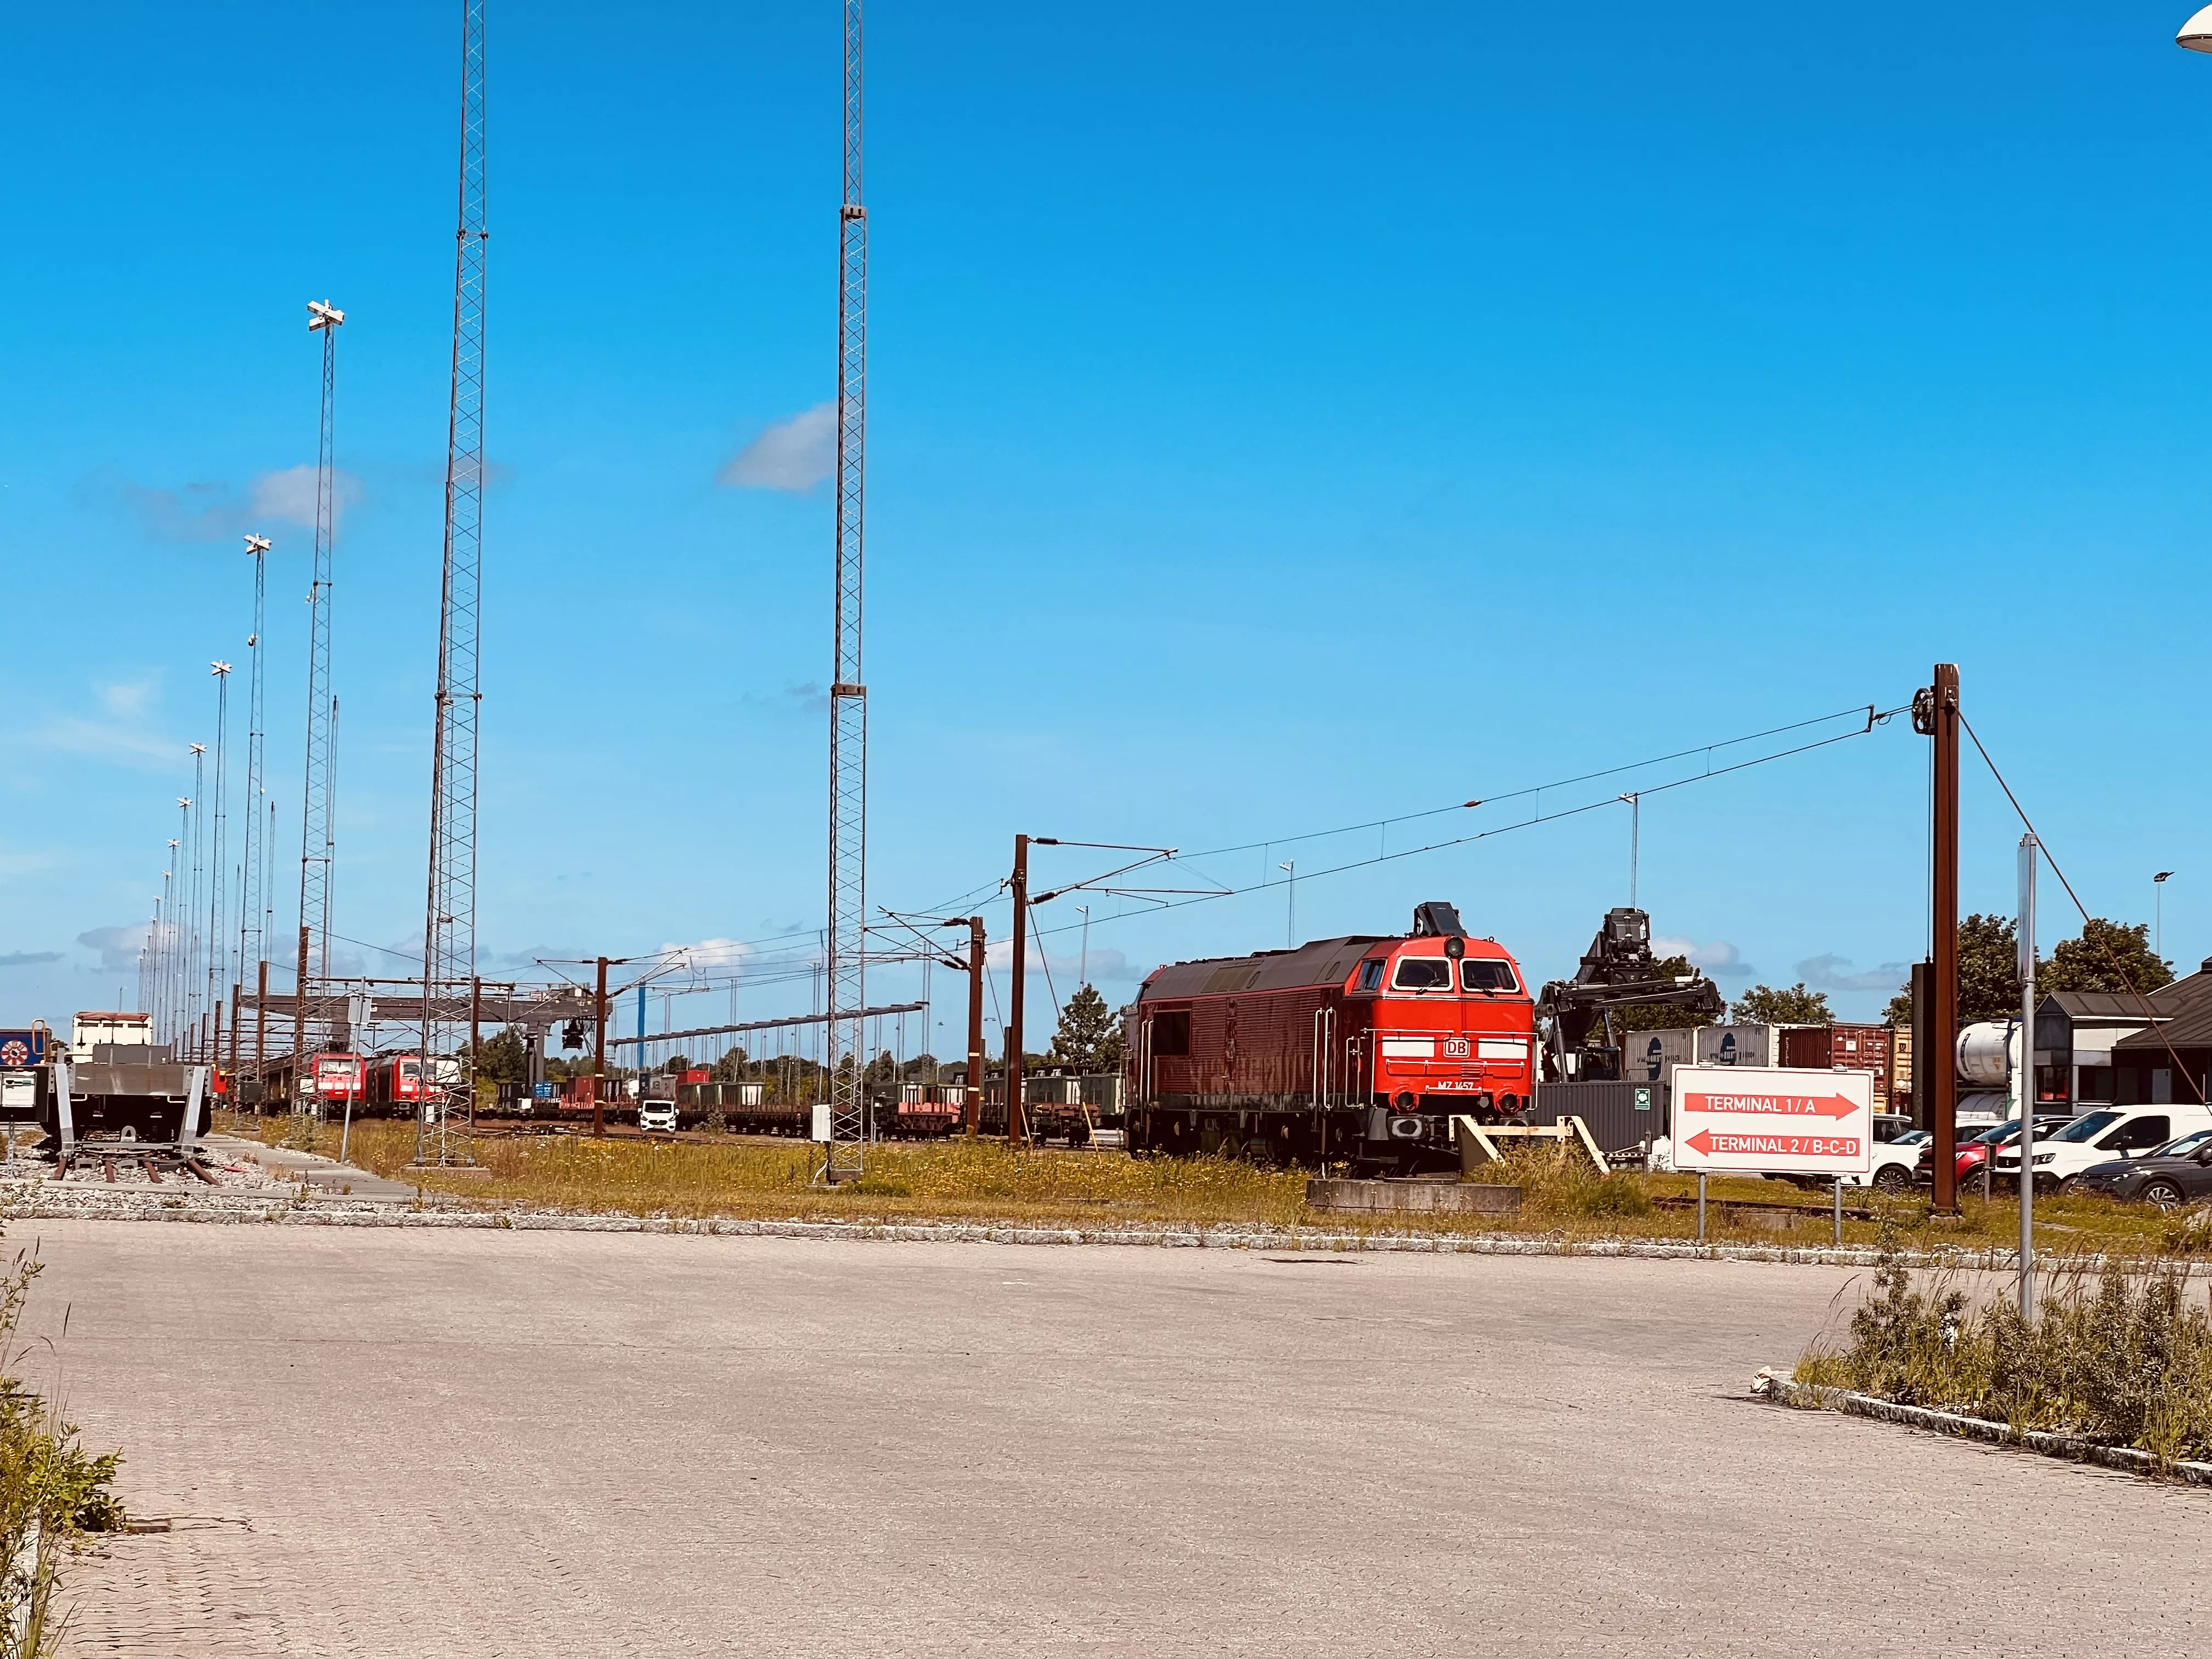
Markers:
<point>741,1177</point>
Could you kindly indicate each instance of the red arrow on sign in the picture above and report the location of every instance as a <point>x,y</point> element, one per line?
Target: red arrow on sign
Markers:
<point>1706,1142</point>
<point>1771,1105</point>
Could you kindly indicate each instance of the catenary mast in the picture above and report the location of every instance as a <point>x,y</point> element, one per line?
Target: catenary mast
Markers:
<point>449,947</point>
<point>848,694</point>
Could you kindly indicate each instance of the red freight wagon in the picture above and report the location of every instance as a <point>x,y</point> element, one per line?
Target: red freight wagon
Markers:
<point>1356,1049</point>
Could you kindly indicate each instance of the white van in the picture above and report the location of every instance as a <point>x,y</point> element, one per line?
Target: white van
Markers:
<point>2100,1136</point>
<point>656,1115</point>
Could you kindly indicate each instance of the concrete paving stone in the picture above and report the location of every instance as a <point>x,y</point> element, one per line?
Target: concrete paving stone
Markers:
<point>544,1443</point>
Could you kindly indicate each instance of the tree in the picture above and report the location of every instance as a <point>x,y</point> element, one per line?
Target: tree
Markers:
<point>502,1058</point>
<point>2107,956</point>
<point>1090,1037</point>
<point>1989,971</point>
<point>730,1067</point>
<point>1763,1005</point>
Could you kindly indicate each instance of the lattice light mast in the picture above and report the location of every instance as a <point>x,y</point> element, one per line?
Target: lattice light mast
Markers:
<point>449,932</point>
<point>848,696</point>
<point>253,940</point>
<point>318,836</point>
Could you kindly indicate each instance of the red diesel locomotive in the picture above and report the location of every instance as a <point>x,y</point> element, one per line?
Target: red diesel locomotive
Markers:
<point>1358,1049</point>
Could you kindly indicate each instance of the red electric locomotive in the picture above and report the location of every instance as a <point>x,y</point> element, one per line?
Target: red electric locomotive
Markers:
<point>395,1085</point>
<point>1355,1049</point>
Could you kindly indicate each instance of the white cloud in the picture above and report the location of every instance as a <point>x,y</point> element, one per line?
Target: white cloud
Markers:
<point>127,701</point>
<point>119,947</point>
<point>1819,974</point>
<point>290,495</point>
<point>793,455</point>
<point>212,510</point>
<point>32,959</point>
<point>1719,960</point>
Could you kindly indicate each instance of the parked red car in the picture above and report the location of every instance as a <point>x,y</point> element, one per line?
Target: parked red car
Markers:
<point>1972,1154</point>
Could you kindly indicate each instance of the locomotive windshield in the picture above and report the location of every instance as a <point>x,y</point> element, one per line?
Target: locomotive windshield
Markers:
<point>1476,973</point>
<point>1423,974</point>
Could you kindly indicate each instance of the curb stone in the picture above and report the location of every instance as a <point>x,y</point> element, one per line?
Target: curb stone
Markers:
<point>1806,1397</point>
<point>26,1202</point>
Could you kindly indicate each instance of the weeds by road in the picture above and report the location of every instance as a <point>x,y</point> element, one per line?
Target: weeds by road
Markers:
<point>740,1177</point>
<point>53,1492</point>
<point>2121,1358</point>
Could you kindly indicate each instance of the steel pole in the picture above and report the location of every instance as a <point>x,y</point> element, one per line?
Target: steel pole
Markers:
<point>974,1103</point>
<point>299,1096</point>
<point>261,1035</point>
<point>2028,850</point>
<point>1943,1056</point>
<point>476,1036</point>
<point>1015,1127</point>
<point>599,1053</point>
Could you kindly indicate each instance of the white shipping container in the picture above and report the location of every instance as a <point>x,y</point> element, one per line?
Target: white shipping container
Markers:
<point>1738,1045</point>
<point>1651,1056</point>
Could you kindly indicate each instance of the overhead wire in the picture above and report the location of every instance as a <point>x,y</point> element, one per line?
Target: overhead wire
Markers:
<point>1874,718</point>
<point>2119,968</point>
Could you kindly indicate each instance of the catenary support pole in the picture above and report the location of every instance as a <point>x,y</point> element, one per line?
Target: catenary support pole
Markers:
<point>599,1054</point>
<point>298,1100</point>
<point>261,1035</point>
<point>2028,850</point>
<point>1939,719</point>
<point>476,1037</point>
<point>973,1101</point>
<point>1015,1127</point>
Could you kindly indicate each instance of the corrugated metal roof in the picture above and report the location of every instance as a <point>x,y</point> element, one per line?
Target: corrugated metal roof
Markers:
<point>2101,1005</point>
<point>2185,1011</point>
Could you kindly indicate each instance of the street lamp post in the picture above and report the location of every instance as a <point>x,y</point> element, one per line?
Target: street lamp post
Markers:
<point>2158,912</point>
<point>1291,913</point>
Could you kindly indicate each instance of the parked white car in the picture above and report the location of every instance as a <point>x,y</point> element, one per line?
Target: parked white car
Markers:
<point>2100,1136</point>
<point>656,1115</point>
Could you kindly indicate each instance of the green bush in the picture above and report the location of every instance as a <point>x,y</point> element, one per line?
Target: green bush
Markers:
<point>2121,1358</point>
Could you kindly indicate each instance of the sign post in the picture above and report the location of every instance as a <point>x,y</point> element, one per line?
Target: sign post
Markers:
<point>1756,1121</point>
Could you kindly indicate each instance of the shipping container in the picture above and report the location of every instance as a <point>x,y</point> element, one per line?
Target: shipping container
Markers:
<point>1737,1045</point>
<point>1618,1116</point>
<point>1843,1049</point>
<point>1651,1056</point>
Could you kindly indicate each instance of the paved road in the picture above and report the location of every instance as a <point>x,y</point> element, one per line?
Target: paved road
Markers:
<point>548,1444</point>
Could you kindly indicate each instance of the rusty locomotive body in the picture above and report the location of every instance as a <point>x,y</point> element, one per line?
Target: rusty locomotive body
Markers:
<point>1356,1051</point>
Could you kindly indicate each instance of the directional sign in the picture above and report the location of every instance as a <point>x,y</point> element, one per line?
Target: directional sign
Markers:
<point>1786,1122</point>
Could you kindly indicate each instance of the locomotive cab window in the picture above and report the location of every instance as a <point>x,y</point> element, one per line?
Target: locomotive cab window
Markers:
<point>1478,975</point>
<point>1172,1034</point>
<point>1371,975</point>
<point>1423,974</point>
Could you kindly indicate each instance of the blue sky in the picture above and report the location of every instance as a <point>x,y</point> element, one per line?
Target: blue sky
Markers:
<point>1281,417</point>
